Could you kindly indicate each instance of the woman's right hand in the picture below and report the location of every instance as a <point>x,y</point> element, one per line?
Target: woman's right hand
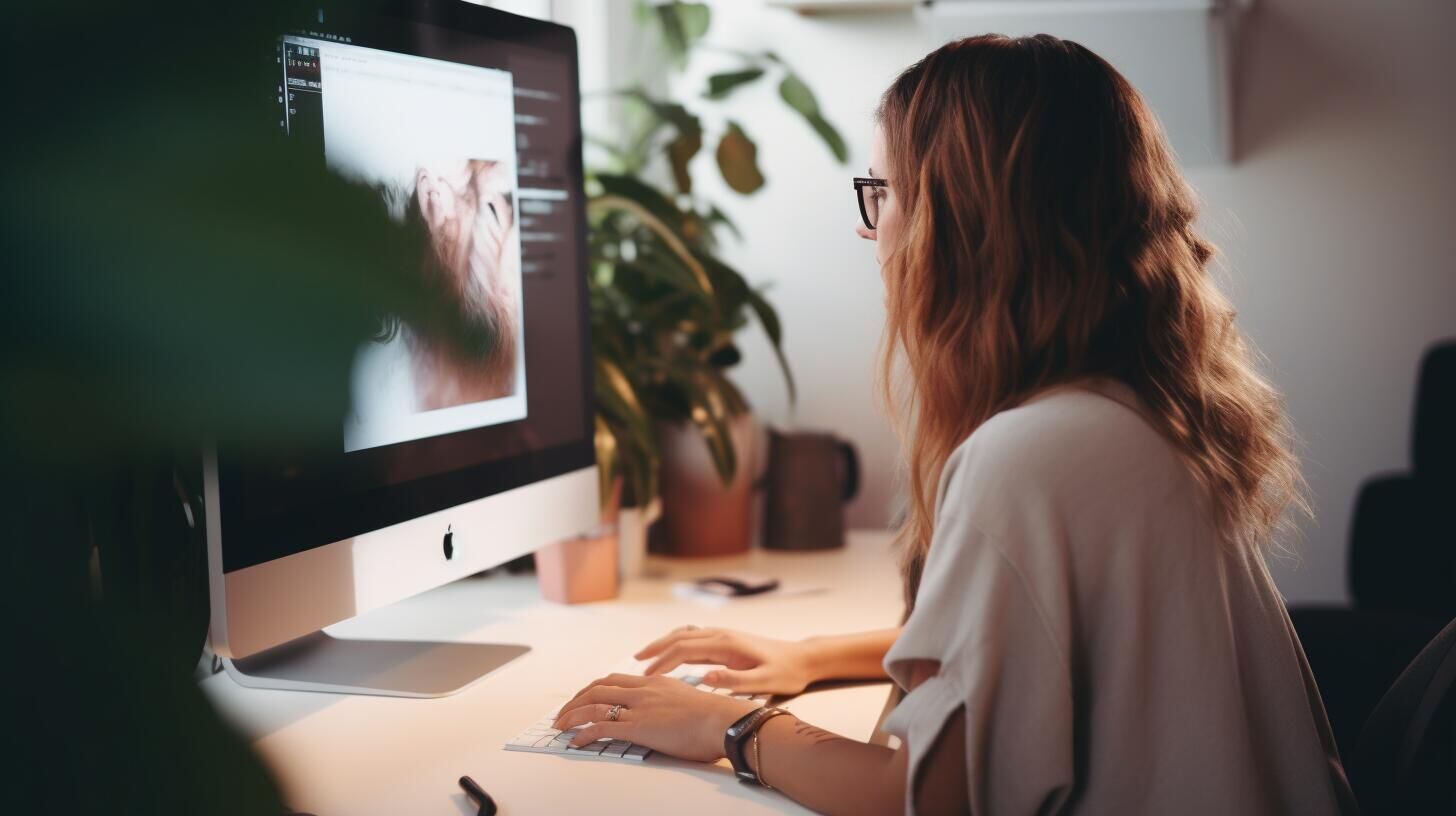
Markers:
<point>753,664</point>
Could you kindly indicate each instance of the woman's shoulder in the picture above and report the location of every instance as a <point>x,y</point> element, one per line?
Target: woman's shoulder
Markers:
<point>1074,441</point>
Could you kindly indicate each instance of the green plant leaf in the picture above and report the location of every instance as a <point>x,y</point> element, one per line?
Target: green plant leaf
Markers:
<point>684,146</point>
<point>670,112</point>
<point>768,317</point>
<point>649,197</point>
<point>708,411</point>
<point>798,96</point>
<point>717,216</point>
<point>666,268</point>
<point>696,17</point>
<point>620,452</point>
<point>681,151</point>
<point>831,137</point>
<point>683,24</point>
<point>720,85</point>
<point>725,356</point>
<point>633,446</point>
<point>738,161</point>
<point>616,392</point>
<point>609,459</point>
<point>731,286</point>
<point>732,397</point>
<point>665,233</point>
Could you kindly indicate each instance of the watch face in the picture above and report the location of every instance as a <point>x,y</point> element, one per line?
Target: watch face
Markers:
<point>734,739</point>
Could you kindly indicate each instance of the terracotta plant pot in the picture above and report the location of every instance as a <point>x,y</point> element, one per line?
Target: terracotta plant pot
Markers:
<point>700,515</point>
<point>583,569</point>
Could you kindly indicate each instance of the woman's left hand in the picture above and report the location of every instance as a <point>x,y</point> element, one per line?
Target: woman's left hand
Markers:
<point>661,713</point>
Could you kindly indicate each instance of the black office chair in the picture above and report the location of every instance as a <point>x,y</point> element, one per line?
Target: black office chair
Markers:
<point>1406,760</point>
<point>1402,566</point>
<point>1403,536</point>
<point>1355,656</point>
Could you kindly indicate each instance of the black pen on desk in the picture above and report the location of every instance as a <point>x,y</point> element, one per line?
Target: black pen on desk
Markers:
<point>478,794</point>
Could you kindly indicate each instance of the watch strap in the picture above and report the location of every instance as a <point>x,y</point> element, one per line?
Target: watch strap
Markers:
<point>735,740</point>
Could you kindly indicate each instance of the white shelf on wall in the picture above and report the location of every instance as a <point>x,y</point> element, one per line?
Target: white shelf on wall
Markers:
<point>1178,53</point>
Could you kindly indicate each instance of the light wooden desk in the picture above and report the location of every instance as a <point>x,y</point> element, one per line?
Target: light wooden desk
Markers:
<point>341,755</point>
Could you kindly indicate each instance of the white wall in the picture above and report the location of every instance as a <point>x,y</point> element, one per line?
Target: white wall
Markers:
<point>1335,223</point>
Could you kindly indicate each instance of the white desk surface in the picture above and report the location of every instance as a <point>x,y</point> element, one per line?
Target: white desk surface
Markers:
<point>343,755</point>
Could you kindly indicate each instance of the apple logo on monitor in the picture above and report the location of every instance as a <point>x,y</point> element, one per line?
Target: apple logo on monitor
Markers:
<point>449,542</point>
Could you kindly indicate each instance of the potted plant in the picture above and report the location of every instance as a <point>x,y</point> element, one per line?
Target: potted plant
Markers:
<point>666,308</point>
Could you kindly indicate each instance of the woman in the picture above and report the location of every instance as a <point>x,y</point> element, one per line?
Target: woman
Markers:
<point>1092,626</point>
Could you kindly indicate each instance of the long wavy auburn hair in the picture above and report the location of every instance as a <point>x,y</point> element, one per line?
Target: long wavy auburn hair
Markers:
<point>1047,236</point>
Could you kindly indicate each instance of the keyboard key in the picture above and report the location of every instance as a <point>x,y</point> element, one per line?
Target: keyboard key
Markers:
<point>616,748</point>
<point>637,752</point>
<point>590,747</point>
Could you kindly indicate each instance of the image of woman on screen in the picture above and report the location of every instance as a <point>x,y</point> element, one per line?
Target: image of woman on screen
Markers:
<point>472,260</point>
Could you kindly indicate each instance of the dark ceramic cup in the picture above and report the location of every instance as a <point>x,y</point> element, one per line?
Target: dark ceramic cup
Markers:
<point>811,476</point>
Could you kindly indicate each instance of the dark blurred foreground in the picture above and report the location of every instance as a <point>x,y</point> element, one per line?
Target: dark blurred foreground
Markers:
<point>173,271</point>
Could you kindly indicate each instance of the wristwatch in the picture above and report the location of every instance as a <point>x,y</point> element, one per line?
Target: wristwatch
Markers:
<point>736,738</point>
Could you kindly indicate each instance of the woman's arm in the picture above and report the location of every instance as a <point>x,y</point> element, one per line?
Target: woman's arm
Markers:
<point>859,656</point>
<point>824,771</point>
<point>828,773</point>
<point>792,756</point>
<point>759,664</point>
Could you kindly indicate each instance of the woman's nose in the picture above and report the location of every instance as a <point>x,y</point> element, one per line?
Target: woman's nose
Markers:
<point>864,232</point>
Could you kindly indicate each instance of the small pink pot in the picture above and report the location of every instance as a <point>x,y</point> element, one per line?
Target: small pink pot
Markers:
<point>579,570</point>
<point>583,569</point>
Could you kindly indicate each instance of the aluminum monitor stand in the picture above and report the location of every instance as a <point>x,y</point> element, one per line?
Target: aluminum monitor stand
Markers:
<point>386,668</point>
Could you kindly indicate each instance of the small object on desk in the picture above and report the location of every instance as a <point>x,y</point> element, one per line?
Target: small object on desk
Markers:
<point>478,795</point>
<point>737,585</point>
<point>811,477</point>
<point>716,590</point>
<point>580,570</point>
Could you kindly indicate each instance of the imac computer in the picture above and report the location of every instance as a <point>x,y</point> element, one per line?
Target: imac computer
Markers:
<point>466,120</point>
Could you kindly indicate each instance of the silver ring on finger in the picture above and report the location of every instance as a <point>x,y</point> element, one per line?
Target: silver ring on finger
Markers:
<point>614,713</point>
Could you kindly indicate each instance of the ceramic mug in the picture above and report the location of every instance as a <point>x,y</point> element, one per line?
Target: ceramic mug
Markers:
<point>811,476</point>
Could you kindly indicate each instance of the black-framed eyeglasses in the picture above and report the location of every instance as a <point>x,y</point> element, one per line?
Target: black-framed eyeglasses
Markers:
<point>869,205</point>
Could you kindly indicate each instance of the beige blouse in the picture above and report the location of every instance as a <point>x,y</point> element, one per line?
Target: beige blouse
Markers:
<point>1112,652</point>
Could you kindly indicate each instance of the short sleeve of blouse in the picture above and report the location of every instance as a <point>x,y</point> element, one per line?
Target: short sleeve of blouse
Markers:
<point>1000,659</point>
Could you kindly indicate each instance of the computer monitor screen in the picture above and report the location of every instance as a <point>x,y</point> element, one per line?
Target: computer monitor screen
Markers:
<point>438,140</point>
<point>466,123</point>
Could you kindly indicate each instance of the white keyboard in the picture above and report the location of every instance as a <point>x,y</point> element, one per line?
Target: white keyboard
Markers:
<point>541,738</point>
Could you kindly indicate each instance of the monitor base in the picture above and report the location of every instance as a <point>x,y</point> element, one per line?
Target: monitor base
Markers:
<point>386,668</point>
